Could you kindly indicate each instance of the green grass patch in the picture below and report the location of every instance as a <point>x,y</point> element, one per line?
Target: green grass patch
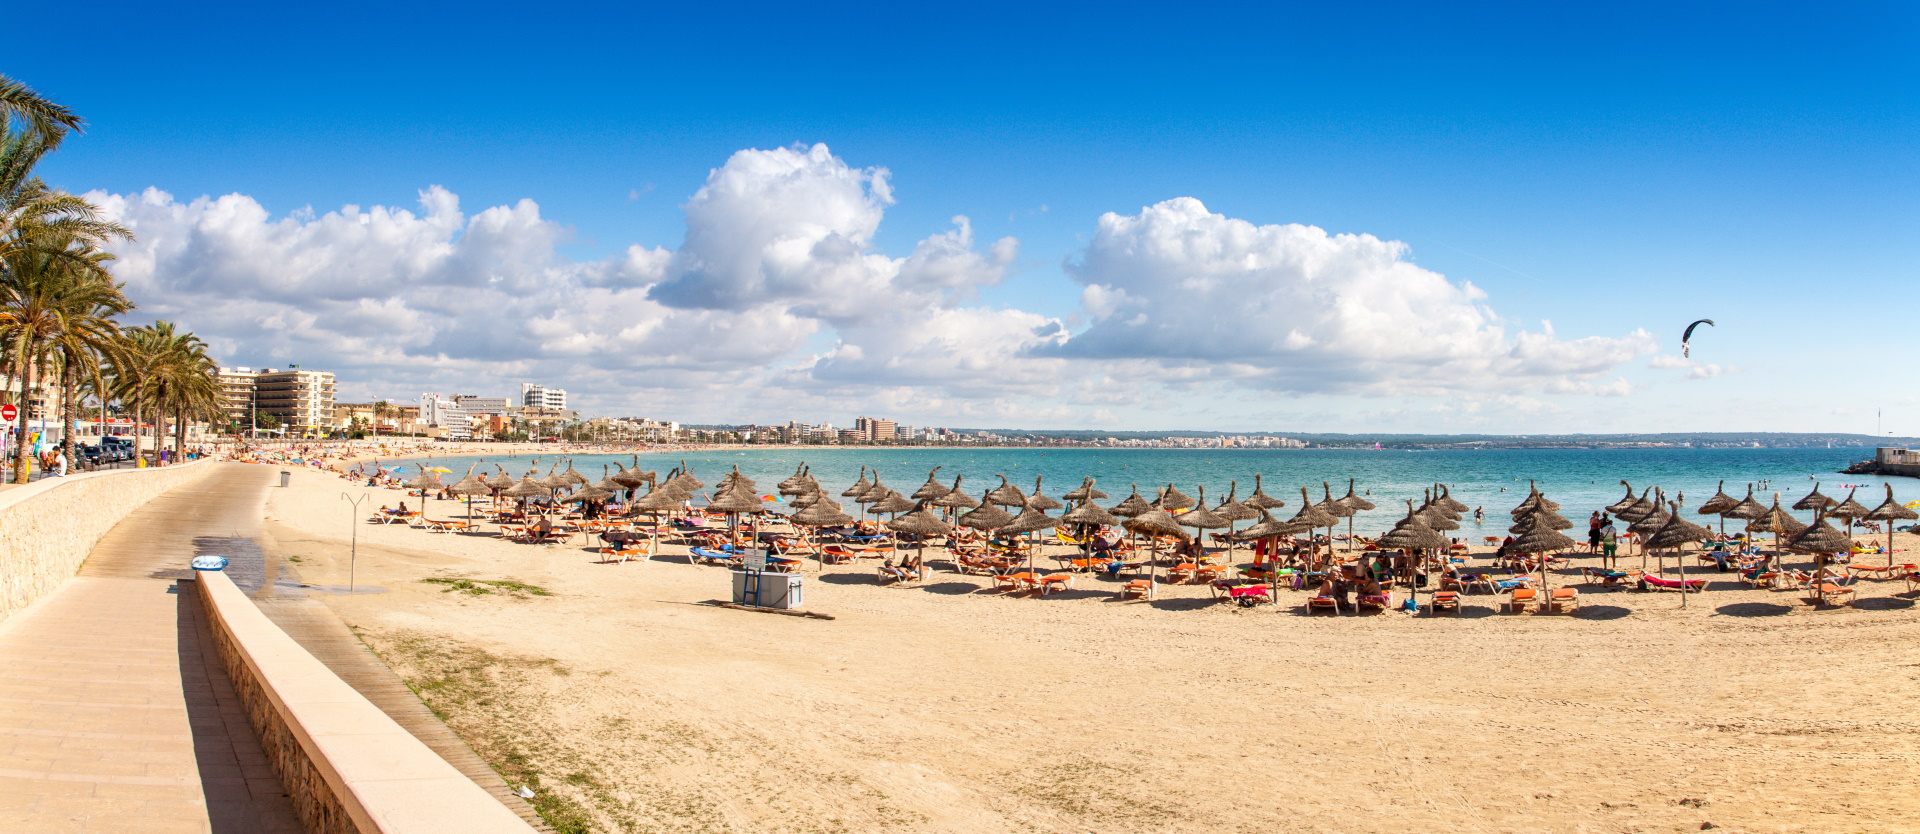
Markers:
<point>484,587</point>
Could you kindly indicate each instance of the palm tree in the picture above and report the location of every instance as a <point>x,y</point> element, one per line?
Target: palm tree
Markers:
<point>52,288</point>
<point>166,372</point>
<point>42,117</point>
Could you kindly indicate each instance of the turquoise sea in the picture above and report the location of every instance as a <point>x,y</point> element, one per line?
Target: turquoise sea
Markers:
<point>1582,480</point>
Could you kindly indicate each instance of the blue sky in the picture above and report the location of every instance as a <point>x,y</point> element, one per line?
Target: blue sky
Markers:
<point>1613,170</point>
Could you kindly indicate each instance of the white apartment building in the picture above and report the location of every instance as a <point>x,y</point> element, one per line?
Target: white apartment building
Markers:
<point>540,396</point>
<point>440,412</point>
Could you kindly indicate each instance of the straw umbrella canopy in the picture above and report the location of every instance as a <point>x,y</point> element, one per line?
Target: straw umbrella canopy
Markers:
<point>607,482</point>
<point>875,494</point>
<point>954,499</point>
<point>1133,506</point>
<point>931,489</point>
<point>1639,509</point>
<point>1085,492</point>
<point>1621,505</point>
<point>1268,527</point>
<point>572,476</point>
<point>1442,498</point>
<point>859,487</point>
<point>1201,518</point>
<point>686,480</point>
<point>920,523</point>
<point>821,513</point>
<point>1890,511</point>
<point>1719,503</point>
<point>1746,509</point>
<point>1260,500</point>
<point>1359,505</point>
<point>793,483</point>
<point>734,501</point>
<point>987,517</point>
<point>1540,518</point>
<point>1411,533</point>
<point>1006,495</point>
<point>1156,523</point>
<point>1173,500</point>
<point>893,504</point>
<point>656,500</point>
<point>1310,513</point>
<point>1041,502</point>
<point>1675,534</point>
<point>735,477</point>
<point>588,493</point>
<point>1850,510</point>
<point>1814,500</point>
<point>1821,540</point>
<point>1334,507</point>
<point>1777,521</point>
<point>469,487</point>
<point>1542,539</point>
<point>1234,511</point>
<point>1030,520</point>
<point>423,482</point>
<point>1089,514</point>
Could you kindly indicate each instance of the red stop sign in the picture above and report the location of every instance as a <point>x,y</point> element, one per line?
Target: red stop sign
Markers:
<point>8,412</point>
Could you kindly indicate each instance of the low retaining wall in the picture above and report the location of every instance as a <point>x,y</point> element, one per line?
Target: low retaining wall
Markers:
<point>48,527</point>
<point>346,765</point>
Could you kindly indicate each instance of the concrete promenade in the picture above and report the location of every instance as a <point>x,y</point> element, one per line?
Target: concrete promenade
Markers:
<point>115,714</point>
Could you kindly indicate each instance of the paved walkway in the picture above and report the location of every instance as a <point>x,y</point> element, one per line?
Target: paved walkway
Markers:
<point>115,714</point>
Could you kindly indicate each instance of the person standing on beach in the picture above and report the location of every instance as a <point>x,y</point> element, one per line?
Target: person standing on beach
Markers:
<point>1609,542</point>
<point>1593,533</point>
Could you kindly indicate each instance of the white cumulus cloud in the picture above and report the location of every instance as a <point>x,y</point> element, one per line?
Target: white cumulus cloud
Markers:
<point>1293,308</point>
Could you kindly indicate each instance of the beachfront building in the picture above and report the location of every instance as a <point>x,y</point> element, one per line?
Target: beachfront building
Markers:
<point>443,417</point>
<point>539,396</point>
<point>873,430</point>
<point>300,401</point>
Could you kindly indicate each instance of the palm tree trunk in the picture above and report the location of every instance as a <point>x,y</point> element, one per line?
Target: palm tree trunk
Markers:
<point>180,432</point>
<point>139,406</point>
<point>66,412</point>
<point>22,464</point>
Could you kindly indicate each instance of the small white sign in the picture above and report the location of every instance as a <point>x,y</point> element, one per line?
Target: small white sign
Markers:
<point>756,560</point>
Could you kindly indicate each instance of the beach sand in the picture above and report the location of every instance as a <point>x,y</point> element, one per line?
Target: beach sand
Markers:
<point>631,704</point>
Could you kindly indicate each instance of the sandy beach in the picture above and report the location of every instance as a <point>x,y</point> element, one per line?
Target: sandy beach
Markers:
<point>632,705</point>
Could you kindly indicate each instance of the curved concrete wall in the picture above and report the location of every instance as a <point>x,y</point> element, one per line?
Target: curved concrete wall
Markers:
<point>48,527</point>
<point>347,766</point>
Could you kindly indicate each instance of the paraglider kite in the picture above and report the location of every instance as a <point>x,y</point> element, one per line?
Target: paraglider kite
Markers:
<point>1685,338</point>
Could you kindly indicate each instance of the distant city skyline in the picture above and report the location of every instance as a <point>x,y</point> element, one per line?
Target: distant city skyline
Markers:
<point>1446,221</point>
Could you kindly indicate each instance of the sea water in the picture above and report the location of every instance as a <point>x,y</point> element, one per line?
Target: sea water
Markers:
<point>1581,480</point>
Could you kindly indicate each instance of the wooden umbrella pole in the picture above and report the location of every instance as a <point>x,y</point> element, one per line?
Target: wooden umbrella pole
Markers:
<point>1680,555</point>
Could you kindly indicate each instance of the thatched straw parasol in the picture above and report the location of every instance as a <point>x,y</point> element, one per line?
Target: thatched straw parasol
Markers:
<point>1746,509</point>
<point>859,487</point>
<point>1006,495</point>
<point>1621,505</point>
<point>1888,512</point>
<point>1030,520</point>
<point>920,523</point>
<point>735,477</point>
<point>1719,503</point>
<point>423,482</point>
<point>1085,492</point>
<point>572,476</point>
<point>931,489</point>
<point>1133,506</point>
<point>793,484</point>
<point>1201,518</point>
<point>1639,509</point>
<point>607,482</point>
<point>1089,514</point>
<point>1411,533</point>
<point>1850,510</point>
<point>1822,541</point>
<point>988,516</point>
<point>1334,507</point>
<point>588,493</point>
<point>1173,500</point>
<point>656,501</point>
<point>734,501</point>
<point>1814,500</point>
<point>1156,523</point>
<point>1041,502</point>
<point>1310,513</point>
<point>893,504</point>
<point>1268,527</point>
<point>954,498</point>
<point>1234,510</point>
<point>1260,500</point>
<point>1675,534</point>
<point>1777,521</point>
<point>1820,538</point>
<point>469,486</point>
<point>685,479</point>
<point>1443,498</point>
